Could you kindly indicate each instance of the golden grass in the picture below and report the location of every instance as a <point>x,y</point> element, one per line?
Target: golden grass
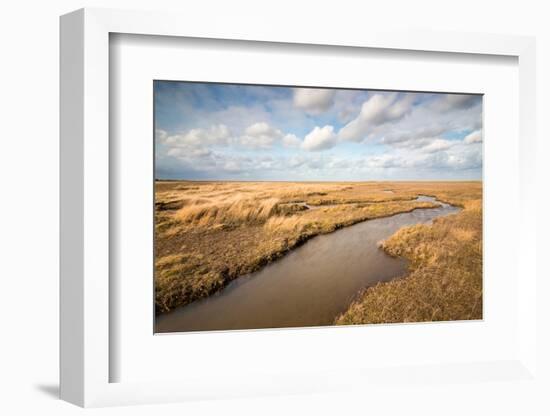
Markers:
<point>445,274</point>
<point>208,233</point>
<point>322,220</point>
<point>236,210</point>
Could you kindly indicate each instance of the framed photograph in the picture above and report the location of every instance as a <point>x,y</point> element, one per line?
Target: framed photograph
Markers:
<point>289,207</point>
<point>327,212</point>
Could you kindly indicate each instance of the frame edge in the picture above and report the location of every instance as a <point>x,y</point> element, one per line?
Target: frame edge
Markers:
<point>83,289</point>
<point>71,202</point>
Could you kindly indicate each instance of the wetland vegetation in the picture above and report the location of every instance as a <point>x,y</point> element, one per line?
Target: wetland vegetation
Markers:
<point>210,233</point>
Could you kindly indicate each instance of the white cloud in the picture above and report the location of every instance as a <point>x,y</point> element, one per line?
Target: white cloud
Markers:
<point>320,139</point>
<point>460,157</point>
<point>232,166</point>
<point>449,102</point>
<point>259,129</point>
<point>473,137</point>
<point>385,161</point>
<point>160,135</point>
<point>425,144</point>
<point>194,143</point>
<point>313,100</point>
<point>426,121</point>
<point>188,151</point>
<point>346,114</point>
<point>455,158</point>
<point>260,135</point>
<point>376,111</point>
<point>235,117</point>
<point>290,140</point>
<point>400,135</point>
<point>215,135</point>
<point>296,161</point>
<point>437,145</point>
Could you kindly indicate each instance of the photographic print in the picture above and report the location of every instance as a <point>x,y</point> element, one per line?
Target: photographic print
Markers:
<point>289,206</point>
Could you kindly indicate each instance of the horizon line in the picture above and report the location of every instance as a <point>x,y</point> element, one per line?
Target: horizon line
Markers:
<point>327,181</point>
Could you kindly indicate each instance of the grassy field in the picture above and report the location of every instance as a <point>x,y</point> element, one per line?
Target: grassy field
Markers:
<point>208,233</point>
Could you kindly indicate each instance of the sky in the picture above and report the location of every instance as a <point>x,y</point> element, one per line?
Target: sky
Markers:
<point>206,131</point>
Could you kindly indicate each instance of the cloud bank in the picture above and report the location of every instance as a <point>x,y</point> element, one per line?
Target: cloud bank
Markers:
<point>220,131</point>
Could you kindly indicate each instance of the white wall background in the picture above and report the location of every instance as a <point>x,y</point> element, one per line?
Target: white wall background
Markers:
<point>29,56</point>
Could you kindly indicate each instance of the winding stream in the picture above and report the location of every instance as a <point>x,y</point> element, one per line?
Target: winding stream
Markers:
<point>309,286</point>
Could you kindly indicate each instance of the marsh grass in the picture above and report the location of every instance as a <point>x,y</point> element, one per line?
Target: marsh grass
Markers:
<point>232,211</point>
<point>208,233</point>
<point>445,274</point>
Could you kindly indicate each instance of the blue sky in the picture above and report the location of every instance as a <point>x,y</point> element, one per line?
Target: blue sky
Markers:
<point>248,132</point>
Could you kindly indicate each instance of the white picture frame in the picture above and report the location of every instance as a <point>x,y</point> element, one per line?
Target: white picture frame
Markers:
<point>85,212</point>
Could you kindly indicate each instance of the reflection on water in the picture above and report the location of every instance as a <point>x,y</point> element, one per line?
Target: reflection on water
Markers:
<point>309,286</point>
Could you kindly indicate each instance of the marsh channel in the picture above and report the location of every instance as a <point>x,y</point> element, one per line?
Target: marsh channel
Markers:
<point>311,285</point>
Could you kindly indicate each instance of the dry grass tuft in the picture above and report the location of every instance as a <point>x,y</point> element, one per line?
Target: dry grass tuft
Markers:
<point>236,211</point>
